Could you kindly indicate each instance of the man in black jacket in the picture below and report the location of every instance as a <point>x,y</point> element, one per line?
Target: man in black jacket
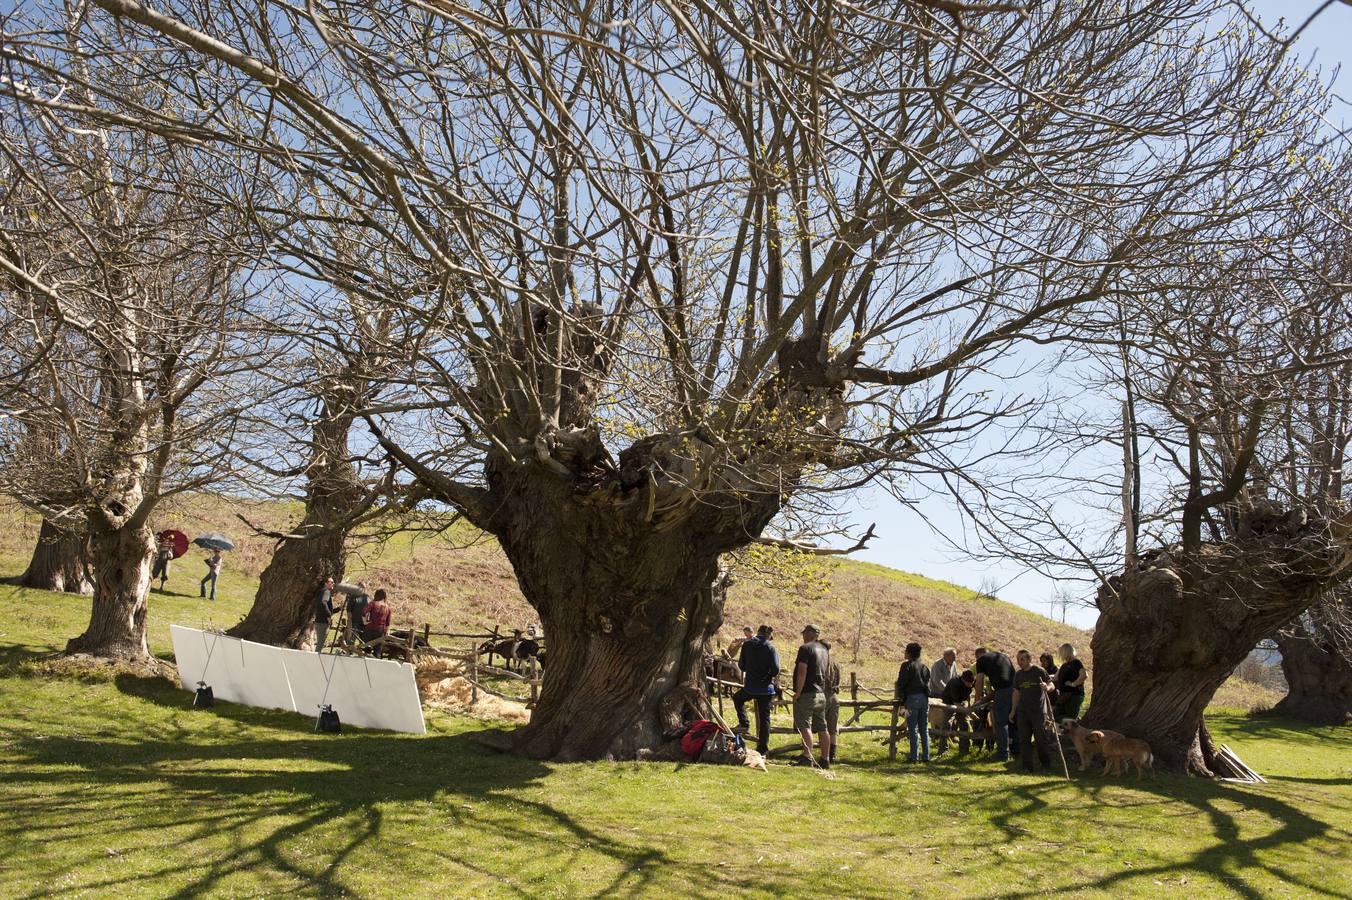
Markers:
<point>759,662</point>
<point>995,676</point>
<point>957,692</point>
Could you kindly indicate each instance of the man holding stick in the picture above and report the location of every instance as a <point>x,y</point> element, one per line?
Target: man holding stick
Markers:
<point>809,696</point>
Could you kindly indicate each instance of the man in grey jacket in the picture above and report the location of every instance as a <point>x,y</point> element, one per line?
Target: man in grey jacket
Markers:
<point>943,671</point>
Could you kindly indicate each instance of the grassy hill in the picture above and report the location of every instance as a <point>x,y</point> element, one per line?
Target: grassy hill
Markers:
<point>458,580</point>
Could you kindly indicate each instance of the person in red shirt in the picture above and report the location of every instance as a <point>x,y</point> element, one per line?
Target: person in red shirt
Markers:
<point>375,619</point>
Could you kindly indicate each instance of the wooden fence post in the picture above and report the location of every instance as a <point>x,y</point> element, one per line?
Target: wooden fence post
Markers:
<point>534,682</point>
<point>473,675</point>
<point>892,735</point>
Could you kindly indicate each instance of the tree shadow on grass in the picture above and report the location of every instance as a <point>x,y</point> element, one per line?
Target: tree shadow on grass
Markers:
<point>1234,846</point>
<point>295,806</point>
<point>1269,725</point>
<point>1226,857</point>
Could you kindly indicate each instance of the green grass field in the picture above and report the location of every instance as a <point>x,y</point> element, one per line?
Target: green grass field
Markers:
<point>113,786</point>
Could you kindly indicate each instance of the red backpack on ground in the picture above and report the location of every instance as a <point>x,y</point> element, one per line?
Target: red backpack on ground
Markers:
<point>692,742</point>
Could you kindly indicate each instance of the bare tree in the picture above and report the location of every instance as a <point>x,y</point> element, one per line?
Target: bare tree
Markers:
<point>323,387</point>
<point>1223,369</point>
<point>669,273</point>
<point>1306,458</point>
<point>124,306</point>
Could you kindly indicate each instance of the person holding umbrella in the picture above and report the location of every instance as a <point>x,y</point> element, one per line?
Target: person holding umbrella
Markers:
<point>163,555</point>
<point>215,543</point>
<point>214,562</point>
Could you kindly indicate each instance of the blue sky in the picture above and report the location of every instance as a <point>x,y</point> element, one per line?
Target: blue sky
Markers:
<point>904,540</point>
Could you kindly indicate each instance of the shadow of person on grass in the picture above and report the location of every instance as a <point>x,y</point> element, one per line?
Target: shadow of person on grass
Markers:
<point>289,786</point>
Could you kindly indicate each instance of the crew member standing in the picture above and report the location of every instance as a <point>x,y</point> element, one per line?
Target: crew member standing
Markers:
<point>809,696</point>
<point>1070,678</point>
<point>913,693</point>
<point>323,613</point>
<point>1031,684</point>
<point>759,662</point>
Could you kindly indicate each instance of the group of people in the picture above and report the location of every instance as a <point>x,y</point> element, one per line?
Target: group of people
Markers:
<point>1021,695</point>
<point>367,614</point>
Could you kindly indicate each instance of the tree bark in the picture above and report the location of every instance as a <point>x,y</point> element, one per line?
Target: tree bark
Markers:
<point>59,563</point>
<point>283,609</point>
<point>1318,678</point>
<point>628,599</point>
<point>117,623</point>
<point>1174,627</point>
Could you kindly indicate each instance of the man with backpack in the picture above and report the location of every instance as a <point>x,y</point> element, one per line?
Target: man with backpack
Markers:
<point>832,700</point>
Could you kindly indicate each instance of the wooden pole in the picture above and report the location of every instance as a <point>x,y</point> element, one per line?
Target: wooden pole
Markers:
<point>534,682</point>
<point>892,733</point>
<point>473,676</point>
<point>1056,732</point>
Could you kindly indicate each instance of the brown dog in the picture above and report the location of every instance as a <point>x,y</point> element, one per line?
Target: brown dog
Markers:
<point>1119,750</point>
<point>1079,736</point>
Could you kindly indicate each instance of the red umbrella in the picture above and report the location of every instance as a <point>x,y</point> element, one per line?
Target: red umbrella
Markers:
<point>180,540</point>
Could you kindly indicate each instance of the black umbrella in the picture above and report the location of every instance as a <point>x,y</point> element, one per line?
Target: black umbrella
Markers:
<point>214,541</point>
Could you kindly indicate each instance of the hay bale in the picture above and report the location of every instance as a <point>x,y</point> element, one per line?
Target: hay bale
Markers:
<point>442,685</point>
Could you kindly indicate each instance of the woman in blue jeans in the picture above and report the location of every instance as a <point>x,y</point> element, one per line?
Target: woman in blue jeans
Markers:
<point>913,691</point>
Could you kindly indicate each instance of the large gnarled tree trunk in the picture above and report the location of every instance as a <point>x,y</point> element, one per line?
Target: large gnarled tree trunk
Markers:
<point>1318,678</point>
<point>1172,628</point>
<point>121,545</point>
<point>283,609</point>
<point>620,557</point>
<point>59,563</point>
<point>627,607</point>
